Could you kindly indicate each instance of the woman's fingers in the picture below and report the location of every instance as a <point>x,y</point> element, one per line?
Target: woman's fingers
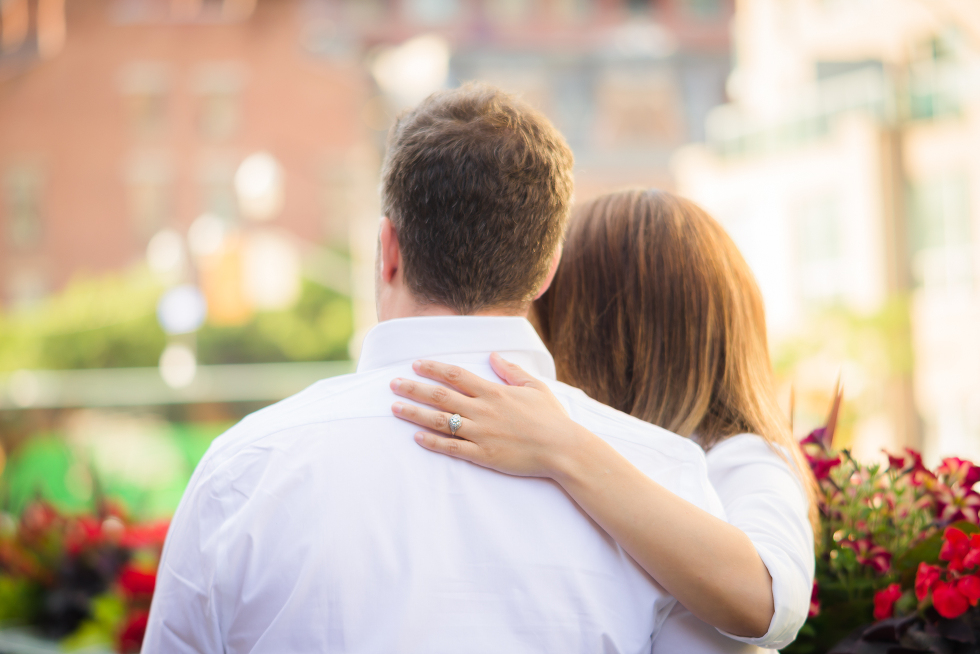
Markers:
<point>511,373</point>
<point>429,418</point>
<point>437,396</point>
<point>460,379</point>
<point>454,447</point>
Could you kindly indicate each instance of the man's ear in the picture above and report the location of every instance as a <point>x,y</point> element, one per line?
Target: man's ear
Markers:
<point>551,272</point>
<point>389,253</point>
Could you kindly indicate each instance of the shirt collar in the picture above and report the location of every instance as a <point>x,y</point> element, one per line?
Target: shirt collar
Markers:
<point>405,340</point>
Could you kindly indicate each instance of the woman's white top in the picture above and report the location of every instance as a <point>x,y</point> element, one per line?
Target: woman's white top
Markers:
<point>765,499</point>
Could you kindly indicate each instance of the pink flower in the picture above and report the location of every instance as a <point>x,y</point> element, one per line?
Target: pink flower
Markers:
<point>911,463</point>
<point>818,436</point>
<point>814,602</point>
<point>885,601</point>
<point>955,503</point>
<point>870,554</point>
<point>926,578</point>
<point>959,471</point>
<point>822,467</point>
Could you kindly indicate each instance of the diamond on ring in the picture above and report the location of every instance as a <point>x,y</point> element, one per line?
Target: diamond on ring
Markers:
<point>454,422</point>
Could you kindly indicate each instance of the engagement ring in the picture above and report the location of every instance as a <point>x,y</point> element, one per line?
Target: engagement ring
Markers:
<point>454,422</point>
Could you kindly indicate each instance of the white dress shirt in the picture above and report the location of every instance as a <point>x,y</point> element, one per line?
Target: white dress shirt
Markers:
<point>319,525</point>
<point>763,498</point>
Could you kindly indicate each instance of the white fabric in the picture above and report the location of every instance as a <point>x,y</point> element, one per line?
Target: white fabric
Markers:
<point>319,525</point>
<point>763,498</point>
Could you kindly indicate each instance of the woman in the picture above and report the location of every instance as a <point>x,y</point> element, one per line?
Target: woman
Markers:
<point>653,311</point>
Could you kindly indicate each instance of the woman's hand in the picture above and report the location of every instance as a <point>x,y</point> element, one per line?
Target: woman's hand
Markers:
<point>710,566</point>
<point>519,429</point>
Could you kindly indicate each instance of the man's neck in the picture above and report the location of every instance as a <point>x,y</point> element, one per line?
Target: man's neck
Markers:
<point>414,309</point>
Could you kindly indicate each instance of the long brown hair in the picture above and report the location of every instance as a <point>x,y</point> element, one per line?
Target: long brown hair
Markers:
<point>654,311</point>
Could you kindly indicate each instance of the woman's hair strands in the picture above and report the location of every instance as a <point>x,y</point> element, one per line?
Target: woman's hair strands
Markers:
<point>655,312</point>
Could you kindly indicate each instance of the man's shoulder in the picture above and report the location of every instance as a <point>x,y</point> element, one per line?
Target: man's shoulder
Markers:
<point>612,424</point>
<point>328,400</point>
<point>675,462</point>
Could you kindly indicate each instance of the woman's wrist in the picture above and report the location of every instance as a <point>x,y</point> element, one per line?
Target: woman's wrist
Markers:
<point>572,464</point>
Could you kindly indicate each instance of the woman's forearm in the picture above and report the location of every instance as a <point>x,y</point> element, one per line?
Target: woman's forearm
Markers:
<point>710,566</point>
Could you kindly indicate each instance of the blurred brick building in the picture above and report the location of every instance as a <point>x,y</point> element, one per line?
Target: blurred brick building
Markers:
<point>119,118</point>
<point>139,119</point>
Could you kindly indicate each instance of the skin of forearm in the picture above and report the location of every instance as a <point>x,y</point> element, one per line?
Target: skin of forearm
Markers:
<point>710,566</point>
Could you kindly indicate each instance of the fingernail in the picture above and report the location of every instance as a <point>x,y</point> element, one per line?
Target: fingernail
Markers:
<point>397,407</point>
<point>419,437</point>
<point>416,366</point>
<point>395,383</point>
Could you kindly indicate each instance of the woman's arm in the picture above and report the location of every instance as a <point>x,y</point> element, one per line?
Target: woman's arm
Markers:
<point>710,566</point>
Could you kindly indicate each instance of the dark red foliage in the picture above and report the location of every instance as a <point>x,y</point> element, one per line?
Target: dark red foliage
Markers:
<point>131,637</point>
<point>814,602</point>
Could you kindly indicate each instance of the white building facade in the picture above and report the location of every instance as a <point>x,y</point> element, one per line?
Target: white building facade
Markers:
<point>847,168</point>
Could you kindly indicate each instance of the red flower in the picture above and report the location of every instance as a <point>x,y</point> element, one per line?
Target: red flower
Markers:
<point>136,582</point>
<point>948,600</point>
<point>926,578</point>
<point>131,637</point>
<point>885,601</point>
<point>150,535</point>
<point>870,554</point>
<point>959,471</point>
<point>38,517</point>
<point>969,587</point>
<point>956,545</point>
<point>84,531</point>
<point>814,602</point>
<point>972,559</point>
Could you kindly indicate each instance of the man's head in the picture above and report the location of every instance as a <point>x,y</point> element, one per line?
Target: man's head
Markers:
<point>476,189</point>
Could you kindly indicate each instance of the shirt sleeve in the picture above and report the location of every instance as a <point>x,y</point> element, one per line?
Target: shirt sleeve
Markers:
<point>765,499</point>
<point>682,632</point>
<point>183,617</point>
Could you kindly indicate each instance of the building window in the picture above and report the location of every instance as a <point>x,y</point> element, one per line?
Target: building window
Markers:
<point>22,189</point>
<point>572,11</point>
<point>216,181</point>
<point>218,87</point>
<point>25,285</point>
<point>703,9</point>
<point>940,237</point>
<point>639,108</point>
<point>144,88</point>
<point>163,11</point>
<point>820,249</point>
<point>639,7</point>
<point>15,24</point>
<point>149,181</point>
<point>431,12</point>
<point>365,12</point>
<point>508,11</point>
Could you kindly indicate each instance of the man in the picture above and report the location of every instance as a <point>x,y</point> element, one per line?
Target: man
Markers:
<point>319,525</point>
